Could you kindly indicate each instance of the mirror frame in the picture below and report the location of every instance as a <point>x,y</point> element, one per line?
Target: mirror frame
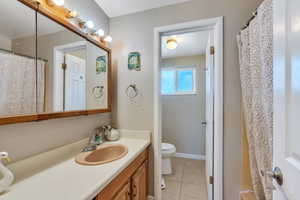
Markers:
<point>37,7</point>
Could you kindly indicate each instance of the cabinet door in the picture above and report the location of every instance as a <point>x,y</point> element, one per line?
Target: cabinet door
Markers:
<point>124,193</point>
<point>139,184</point>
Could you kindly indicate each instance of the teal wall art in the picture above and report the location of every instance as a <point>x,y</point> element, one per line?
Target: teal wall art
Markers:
<point>101,64</point>
<point>134,61</point>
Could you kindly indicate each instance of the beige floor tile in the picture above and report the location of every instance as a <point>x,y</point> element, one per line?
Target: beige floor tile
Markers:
<point>172,187</point>
<point>176,176</point>
<point>170,196</point>
<point>187,181</point>
<point>193,191</point>
<point>188,197</point>
<point>178,161</point>
<point>193,177</point>
<point>194,164</point>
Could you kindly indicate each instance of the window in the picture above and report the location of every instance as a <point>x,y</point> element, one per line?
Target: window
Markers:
<point>178,81</point>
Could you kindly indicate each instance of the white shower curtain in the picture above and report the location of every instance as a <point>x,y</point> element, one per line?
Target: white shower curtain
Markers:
<point>256,66</point>
<point>41,82</point>
<point>18,85</point>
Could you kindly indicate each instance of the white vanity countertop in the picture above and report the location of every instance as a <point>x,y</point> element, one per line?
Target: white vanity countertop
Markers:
<point>68,180</point>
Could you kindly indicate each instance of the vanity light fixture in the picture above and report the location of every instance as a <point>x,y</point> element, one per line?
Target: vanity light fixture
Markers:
<point>72,14</point>
<point>86,26</point>
<point>90,24</point>
<point>37,1</point>
<point>100,32</point>
<point>108,39</point>
<point>56,2</point>
<point>172,44</point>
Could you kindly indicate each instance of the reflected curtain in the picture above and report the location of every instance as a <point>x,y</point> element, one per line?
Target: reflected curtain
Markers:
<point>18,85</point>
<point>41,82</point>
<point>256,72</point>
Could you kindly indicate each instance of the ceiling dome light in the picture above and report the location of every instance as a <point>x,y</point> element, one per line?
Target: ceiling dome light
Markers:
<point>59,2</point>
<point>172,44</point>
<point>108,39</point>
<point>90,24</point>
<point>100,32</point>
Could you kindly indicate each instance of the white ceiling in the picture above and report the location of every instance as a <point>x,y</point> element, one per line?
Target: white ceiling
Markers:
<point>114,8</point>
<point>17,21</point>
<point>189,44</point>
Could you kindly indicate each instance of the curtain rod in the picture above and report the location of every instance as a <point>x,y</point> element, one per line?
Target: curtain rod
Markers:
<point>254,14</point>
<point>31,57</point>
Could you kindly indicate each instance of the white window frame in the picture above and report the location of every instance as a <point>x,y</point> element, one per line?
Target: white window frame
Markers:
<point>181,68</point>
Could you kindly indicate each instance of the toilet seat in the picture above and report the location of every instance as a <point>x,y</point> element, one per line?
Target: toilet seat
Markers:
<point>167,149</point>
<point>167,146</point>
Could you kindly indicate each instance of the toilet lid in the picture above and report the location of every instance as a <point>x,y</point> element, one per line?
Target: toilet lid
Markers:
<point>166,146</point>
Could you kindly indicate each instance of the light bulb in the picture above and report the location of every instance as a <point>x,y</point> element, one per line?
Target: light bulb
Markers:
<point>108,39</point>
<point>73,14</point>
<point>90,24</point>
<point>100,32</point>
<point>172,44</point>
<point>59,2</point>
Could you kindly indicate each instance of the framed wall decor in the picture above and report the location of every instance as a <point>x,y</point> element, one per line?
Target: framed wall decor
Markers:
<point>101,64</point>
<point>134,61</point>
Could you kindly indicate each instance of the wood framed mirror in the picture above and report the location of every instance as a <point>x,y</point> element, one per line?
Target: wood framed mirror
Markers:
<point>49,68</point>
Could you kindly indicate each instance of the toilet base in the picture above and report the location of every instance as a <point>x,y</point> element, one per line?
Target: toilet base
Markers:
<point>166,166</point>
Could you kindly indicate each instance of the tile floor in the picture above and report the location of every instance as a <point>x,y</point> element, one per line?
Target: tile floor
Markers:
<point>187,181</point>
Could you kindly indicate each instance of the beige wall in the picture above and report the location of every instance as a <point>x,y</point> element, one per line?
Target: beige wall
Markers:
<point>5,43</point>
<point>27,139</point>
<point>135,33</point>
<point>182,114</point>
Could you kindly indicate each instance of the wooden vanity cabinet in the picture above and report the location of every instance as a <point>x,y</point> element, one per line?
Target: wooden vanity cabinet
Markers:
<point>131,183</point>
<point>124,194</point>
<point>138,183</point>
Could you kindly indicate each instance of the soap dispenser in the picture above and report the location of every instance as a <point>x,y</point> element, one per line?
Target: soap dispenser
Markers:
<point>8,176</point>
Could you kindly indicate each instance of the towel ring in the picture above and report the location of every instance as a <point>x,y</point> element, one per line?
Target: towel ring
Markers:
<point>135,91</point>
<point>100,93</point>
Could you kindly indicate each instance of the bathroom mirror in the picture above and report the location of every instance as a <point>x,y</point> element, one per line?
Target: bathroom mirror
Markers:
<point>49,68</point>
<point>17,59</point>
<point>72,72</point>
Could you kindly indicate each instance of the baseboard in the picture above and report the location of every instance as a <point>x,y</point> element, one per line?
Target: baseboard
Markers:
<point>150,197</point>
<point>190,156</point>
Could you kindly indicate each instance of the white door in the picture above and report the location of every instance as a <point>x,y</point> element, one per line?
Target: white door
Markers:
<point>209,114</point>
<point>75,91</point>
<point>287,97</point>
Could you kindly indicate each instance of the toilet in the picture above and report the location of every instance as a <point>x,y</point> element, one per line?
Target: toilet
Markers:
<point>167,151</point>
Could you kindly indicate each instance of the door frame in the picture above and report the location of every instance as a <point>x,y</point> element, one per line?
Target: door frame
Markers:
<point>215,24</point>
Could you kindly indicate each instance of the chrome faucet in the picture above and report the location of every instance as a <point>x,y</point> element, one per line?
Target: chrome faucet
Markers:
<point>96,138</point>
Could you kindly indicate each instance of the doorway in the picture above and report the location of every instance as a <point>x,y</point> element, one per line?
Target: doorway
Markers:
<point>69,92</point>
<point>213,96</point>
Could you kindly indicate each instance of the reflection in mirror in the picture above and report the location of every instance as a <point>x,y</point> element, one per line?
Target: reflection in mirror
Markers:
<point>97,81</point>
<point>17,59</point>
<point>65,68</point>
<point>70,79</point>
